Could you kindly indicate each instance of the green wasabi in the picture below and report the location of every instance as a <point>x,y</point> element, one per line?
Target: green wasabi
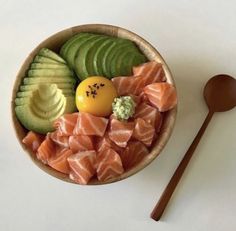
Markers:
<point>123,107</point>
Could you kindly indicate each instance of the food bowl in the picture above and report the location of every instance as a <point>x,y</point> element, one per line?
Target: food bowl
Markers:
<point>54,42</point>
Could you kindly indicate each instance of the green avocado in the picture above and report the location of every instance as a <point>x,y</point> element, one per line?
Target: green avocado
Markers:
<point>48,66</point>
<point>43,107</point>
<point>42,59</point>
<point>89,59</point>
<point>111,51</point>
<point>50,72</point>
<point>74,47</point>
<point>81,56</point>
<point>45,52</point>
<point>129,61</point>
<point>67,44</point>
<point>99,54</point>
<point>62,86</point>
<point>21,94</point>
<point>115,64</point>
<point>40,80</point>
<point>121,45</point>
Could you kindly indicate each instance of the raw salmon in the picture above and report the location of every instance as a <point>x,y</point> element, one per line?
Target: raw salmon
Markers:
<point>65,124</point>
<point>152,71</point>
<point>136,98</point>
<point>103,143</point>
<point>143,131</point>
<point>46,150</point>
<point>33,140</point>
<point>144,75</point>
<point>120,132</point>
<point>133,154</point>
<point>147,112</point>
<point>161,95</point>
<point>109,165</point>
<point>59,161</point>
<point>62,141</point>
<point>88,124</point>
<point>126,85</point>
<point>83,166</point>
<point>80,143</point>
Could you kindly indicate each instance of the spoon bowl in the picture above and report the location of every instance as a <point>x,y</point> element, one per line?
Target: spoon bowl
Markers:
<point>220,93</point>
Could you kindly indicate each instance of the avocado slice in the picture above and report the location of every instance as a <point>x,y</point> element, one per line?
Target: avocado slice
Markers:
<point>81,56</point>
<point>50,72</point>
<point>31,121</point>
<point>21,94</point>
<point>99,54</point>
<point>39,80</point>
<point>131,60</point>
<point>118,57</point>
<point>35,86</point>
<point>66,45</point>
<point>42,59</point>
<point>75,47</point>
<point>40,110</point>
<point>113,53</point>
<point>48,66</point>
<point>45,52</point>
<point>91,53</point>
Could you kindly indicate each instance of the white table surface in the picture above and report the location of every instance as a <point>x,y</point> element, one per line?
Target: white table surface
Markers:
<point>198,40</point>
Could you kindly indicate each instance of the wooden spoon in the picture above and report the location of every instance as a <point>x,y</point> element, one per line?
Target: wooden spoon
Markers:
<point>220,95</point>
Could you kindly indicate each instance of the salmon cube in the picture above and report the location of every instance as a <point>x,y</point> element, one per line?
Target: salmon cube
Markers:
<point>109,165</point>
<point>88,124</point>
<point>143,131</point>
<point>133,154</point>
<point>33,140</point>
<point>83,166</point>
<point>120,132</point>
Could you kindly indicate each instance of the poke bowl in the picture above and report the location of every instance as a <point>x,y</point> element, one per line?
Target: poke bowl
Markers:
<point>55,43</point>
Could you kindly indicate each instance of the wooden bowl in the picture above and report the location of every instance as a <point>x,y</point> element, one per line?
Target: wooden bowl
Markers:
<point>55,42</point>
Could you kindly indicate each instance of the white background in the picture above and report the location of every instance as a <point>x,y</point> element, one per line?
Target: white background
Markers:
<point>198,40</point>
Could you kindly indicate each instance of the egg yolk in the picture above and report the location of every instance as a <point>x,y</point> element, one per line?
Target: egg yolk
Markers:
<point>95,96</point>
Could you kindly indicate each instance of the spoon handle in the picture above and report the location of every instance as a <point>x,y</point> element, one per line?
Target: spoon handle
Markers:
<point>166,195</point>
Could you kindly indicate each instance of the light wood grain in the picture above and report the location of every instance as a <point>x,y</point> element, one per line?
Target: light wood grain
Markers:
<point>54,42</point>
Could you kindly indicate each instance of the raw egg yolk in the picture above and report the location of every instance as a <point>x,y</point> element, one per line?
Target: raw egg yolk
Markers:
<point>95,96</point>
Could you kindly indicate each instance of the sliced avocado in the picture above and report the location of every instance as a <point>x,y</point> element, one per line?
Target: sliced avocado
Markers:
<point>48,66</point>
<point>75,47</point>
<point>42,59</point>
<point>110,52</point>
<point>130,61</point>
<point>21,94</point>
<point>118,57</point>
<point>50,72</point>
<point>113,53</point>
<point>89,60</point>
<point>35,86</point>
<point>81,56</point>
<point>99,54</point>
<point>45,52</point>
<point>39,80</point>
<point>30,120</point>
<point>67,44</point>
<point>40,110</point>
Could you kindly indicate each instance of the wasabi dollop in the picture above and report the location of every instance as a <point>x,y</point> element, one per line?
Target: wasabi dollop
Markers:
<point>123,107</point>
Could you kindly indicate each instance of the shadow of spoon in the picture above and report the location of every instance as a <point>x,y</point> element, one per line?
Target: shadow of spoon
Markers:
<point>220,95</point>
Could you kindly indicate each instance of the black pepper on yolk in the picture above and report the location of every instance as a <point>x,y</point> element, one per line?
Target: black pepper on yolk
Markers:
<point>95,96</point>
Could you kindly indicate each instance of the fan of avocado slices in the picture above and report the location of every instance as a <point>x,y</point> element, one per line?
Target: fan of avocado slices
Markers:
<point>46,93</point>
<point>91,54</point>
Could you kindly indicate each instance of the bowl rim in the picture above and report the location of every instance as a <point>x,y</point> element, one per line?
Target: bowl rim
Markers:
<point>170,116</point>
